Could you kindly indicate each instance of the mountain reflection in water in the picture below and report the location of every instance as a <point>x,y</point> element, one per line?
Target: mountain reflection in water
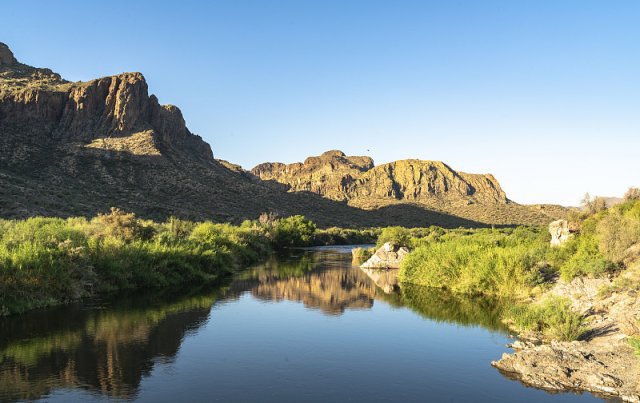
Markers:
<point>107,349</point>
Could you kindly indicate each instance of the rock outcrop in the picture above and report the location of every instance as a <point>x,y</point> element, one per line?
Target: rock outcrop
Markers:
<point>388,256</point>
<point>39,108</point>
<point>610,369</point>
<point>339,177</point>
<point>603,362</point>
<point>330,174</point>
<point>79,148</point>
<point>6,56</point>
<point>424,184</point>
<point>560,232</point>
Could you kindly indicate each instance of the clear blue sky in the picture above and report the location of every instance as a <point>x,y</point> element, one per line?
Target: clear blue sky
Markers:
<point>543,94</point>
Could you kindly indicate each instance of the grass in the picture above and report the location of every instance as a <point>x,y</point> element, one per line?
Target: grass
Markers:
<point>49,261</point>
<point>490,262</point>
<point>634,342</point>
<point>553,316</point>
<point>515,262</point>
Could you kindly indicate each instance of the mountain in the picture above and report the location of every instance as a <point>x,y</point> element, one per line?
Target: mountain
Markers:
<point>431,184</point>
<point>78,148</point>
<point>339,177</point>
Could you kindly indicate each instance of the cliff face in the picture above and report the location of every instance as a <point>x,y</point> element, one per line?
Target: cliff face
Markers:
<point>40,110</point>
<point>79,148</point>
<point>328,175</point>
<point>338,177</point>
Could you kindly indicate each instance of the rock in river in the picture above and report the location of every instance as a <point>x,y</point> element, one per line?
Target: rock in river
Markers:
<point>389,256</point>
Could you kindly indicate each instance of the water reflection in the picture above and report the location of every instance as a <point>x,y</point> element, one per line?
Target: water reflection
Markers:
<point>319,280</point>
<point>103,350</point>
<point>108,349</point>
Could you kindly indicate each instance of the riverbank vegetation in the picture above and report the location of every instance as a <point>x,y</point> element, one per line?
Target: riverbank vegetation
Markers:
<point>553,316</point>
<point>518,262</point>
<point>48,261</point>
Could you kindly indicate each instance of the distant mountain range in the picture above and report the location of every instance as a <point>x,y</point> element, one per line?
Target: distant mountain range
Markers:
<point>78,148</point>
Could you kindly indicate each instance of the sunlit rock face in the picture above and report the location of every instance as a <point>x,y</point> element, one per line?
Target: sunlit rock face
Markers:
<point>340,177</point>
<point>388,256</point>
<point>560,232</point>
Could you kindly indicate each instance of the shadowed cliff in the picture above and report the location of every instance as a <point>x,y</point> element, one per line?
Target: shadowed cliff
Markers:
<point>79,148</point>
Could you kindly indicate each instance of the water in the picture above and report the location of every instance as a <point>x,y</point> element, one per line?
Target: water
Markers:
<point>306,327</point>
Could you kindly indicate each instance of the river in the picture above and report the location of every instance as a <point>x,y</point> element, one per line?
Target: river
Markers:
<point>302,327</point>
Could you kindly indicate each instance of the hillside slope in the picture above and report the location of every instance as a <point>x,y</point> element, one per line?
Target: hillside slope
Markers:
<point>78,148</point>
<point>429,184</point>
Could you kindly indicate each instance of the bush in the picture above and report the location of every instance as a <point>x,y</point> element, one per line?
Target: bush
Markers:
<point>593,205</point>
<point>587,259</point>
<point>397,236</point>
<point>47,261</point>
<point>121,225</point>
<point>632,194</point>
<point>634,342</point>
<point>488,262</point>
<point>618,230</point>
<point>554,317</point>
<point>344,236</point>
<point>292,231</point>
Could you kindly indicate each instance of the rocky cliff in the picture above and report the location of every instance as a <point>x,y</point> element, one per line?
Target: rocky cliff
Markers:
<point>78,148</point>
<point>40,110</point>
<point>339,177</point>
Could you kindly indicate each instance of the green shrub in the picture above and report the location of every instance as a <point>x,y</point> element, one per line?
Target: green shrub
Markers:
<point>618,230</point>
<point>488,262</point>
<point>121,225</point>
<point>634,342</point>
<point>554,317</point>
<point>292,231</point>
<point>586,260</point>
<point>47,261</point>
<point>397,236</point>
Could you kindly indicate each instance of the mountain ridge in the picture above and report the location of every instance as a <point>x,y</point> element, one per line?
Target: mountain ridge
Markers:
<point>78,148</point>
<point>346,178</point>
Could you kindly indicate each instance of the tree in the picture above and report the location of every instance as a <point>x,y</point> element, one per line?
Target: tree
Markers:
<point>632,194</point>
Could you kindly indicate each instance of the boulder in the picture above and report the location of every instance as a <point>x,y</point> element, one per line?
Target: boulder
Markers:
<point>389,256</point>
<point>560,232</point>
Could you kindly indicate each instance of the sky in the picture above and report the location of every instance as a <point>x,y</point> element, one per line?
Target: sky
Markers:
<point>545,95</point>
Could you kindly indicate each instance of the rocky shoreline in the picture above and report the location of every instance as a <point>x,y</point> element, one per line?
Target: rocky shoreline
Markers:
<point>602,362</point>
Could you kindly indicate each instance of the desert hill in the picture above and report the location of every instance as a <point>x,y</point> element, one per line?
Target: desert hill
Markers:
<point>431,184</point>
<point>78,148</point>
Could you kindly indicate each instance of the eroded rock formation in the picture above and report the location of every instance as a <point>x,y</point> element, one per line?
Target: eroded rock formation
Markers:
<point>79,148</point>
<point>388,256</point>
<point>560,232</point>
<point>337,176</point>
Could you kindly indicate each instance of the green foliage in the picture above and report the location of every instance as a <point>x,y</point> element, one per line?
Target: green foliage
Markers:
<point>586,259</point>
<point>344,236</point>
<point>634,342</point>
<point>553,316</point>
<point>292,231</point>
<point>619,229</point>
<point>604,241</point>
<point>121,225</point>
<point>47,261</point>
<point>491,262</point>
<point>397,236</point>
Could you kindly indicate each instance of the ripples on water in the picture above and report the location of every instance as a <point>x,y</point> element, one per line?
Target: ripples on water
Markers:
<point>306,326</point>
